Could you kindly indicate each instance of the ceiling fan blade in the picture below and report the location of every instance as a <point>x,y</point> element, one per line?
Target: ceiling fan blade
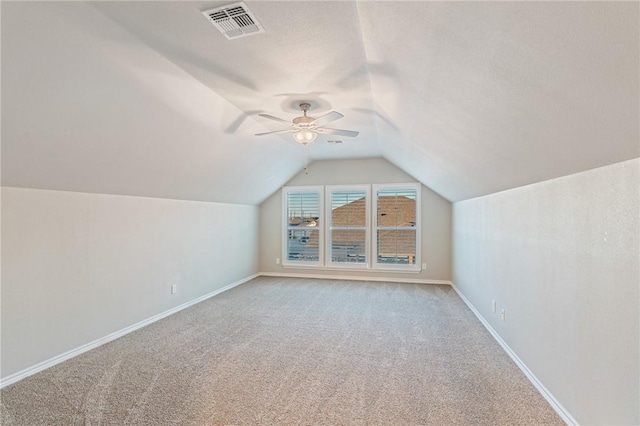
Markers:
<point>349,133</point>
<point>274,132</point>
<point>233,127</point>
<point>327,118</point>
<point>271,117</point>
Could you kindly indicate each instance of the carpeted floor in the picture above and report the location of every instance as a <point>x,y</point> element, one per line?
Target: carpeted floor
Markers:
<point>290,351</point>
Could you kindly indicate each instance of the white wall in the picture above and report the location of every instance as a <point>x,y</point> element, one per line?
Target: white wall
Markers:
<point>562,257</point>
<point>77,267</point>
<point>435,227</point>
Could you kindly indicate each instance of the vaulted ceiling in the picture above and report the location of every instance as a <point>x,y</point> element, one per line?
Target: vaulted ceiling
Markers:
<point>470,98</point>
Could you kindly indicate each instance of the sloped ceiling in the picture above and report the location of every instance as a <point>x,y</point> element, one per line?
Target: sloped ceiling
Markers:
<point>470,98</point>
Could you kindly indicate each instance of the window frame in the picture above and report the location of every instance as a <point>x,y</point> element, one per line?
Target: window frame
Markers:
<point>417,265</point>
<point>329,190</point>
<point>285,227</point>
<point>371,231</point>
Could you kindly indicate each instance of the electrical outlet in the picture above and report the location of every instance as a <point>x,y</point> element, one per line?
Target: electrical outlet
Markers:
<point>277,260</point>
<point>503,314</point>
<point>493,306</point>
<point>174,288</point>
<point>424,266</point>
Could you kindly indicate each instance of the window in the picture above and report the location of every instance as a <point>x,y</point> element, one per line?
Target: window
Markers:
<point>303,239</point>
<point>348,230</point>
<point>362,231</point>
<point>396,226</point>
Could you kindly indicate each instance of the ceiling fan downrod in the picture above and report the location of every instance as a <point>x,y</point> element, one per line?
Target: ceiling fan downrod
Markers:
<point>305,106</point>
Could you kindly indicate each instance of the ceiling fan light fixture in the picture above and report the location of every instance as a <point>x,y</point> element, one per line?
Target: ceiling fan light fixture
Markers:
<point>305,136</point>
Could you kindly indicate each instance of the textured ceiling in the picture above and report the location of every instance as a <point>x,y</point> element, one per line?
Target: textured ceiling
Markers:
<point>470,98</point>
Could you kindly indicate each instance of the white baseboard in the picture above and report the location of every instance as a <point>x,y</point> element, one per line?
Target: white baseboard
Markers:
<point>555,404</point>
<point>353,278</point>
<point>16,377</point>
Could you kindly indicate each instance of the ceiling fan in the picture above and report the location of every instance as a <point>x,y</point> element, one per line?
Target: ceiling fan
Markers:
<point>305,129</point>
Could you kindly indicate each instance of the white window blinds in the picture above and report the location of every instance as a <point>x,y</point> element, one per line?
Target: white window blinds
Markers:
<point>367,226</point>
<point>348,234</point>
<point>397,236</point>
<point>303,237</point>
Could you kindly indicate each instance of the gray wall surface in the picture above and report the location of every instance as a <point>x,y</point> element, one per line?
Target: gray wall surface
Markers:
<point>436,218</point>
<point>562,258</point>
<point>77,267</point>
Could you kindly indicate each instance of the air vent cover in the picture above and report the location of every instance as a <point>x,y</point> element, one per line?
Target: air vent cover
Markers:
<point>234,20</point>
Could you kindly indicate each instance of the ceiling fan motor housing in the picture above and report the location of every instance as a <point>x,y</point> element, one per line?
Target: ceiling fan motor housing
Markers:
<point>304,121</point>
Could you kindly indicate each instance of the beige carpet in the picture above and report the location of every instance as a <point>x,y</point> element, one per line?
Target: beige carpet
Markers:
<point>290,351</point>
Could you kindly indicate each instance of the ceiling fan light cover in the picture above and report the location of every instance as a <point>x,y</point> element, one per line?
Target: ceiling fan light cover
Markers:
<point>304,136</point>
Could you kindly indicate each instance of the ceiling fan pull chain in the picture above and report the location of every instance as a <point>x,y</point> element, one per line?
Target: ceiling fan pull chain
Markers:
<point>306,159</point>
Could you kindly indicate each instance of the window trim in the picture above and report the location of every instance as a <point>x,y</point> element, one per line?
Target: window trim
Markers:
<point>285,227</point>
<point>329,189</point>
<point>417,265</point>
<point>371,265</point>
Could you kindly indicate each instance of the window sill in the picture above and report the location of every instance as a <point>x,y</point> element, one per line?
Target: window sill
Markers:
<point>415,270</point>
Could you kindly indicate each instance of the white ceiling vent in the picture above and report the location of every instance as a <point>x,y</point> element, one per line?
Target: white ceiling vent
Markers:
<point>234,20</point>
